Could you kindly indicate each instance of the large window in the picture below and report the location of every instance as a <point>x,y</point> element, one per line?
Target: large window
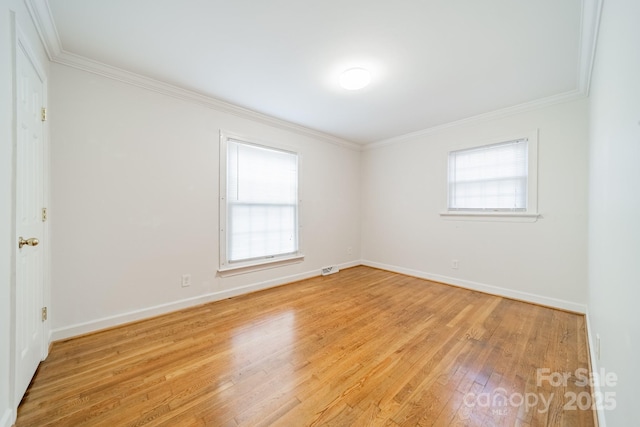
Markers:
<point>259,204</point>
<point>496,178</point>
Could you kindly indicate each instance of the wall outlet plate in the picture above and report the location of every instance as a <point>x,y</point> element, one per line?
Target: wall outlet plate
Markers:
<point>186,280</point>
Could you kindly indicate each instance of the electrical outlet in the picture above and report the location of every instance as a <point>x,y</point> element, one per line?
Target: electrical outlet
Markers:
<point>349,250</point>
<point>455,264</point>
<point>186,280</point>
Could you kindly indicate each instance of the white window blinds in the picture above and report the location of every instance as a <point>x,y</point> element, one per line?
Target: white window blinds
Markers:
<point>262,202</point>
<point>489,178</point>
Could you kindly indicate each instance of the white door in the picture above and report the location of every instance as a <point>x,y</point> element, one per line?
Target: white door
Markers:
<point>29,221</point>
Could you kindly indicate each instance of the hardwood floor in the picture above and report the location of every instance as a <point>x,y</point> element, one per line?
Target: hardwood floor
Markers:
<point>361,347</point>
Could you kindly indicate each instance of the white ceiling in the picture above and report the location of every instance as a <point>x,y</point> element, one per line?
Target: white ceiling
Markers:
<point>433,61</point>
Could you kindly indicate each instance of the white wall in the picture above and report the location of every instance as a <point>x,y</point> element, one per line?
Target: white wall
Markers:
<point>8,10</point>
<point>135,202</point>
<point>405,189</point>
<point>614,207</point>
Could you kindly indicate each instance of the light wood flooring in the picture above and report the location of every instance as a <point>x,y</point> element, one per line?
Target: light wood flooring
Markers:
<point>362,347</point>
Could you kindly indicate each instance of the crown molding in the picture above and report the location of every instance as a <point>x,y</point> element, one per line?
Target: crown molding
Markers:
<point>492,115</point>
<point>43,20</point>
<point>128,77</point>
<point>589,26</point>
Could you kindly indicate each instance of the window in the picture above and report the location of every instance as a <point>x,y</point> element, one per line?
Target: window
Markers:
<point>258,204</point>
<point>493,179</point>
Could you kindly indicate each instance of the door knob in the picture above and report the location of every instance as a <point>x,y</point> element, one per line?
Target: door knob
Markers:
<point>29,242</point>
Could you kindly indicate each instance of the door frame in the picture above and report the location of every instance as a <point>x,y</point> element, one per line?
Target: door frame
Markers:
<point>21,42</point>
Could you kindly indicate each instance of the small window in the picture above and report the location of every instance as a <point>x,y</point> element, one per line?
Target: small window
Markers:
<point>258,204</point>
<point>496,178</point>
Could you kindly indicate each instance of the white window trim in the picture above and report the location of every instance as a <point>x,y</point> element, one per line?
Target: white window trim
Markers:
<point>226,268</point>
<point>240,268</point>
<point>530,215</point>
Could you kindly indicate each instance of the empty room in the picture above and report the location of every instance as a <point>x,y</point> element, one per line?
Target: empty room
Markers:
<point>303,213</point>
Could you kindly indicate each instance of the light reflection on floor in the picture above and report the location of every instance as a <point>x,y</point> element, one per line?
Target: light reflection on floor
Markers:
<point>265,335</point>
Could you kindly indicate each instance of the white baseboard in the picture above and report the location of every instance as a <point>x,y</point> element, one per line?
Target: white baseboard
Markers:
<point>481,287</point>
<point>594,368</point>
<point>132,316</point>
<point>7,418</point>
<point>119,319</point>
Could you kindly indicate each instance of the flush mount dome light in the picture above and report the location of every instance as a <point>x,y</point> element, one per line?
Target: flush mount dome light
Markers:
<point>355,78</point>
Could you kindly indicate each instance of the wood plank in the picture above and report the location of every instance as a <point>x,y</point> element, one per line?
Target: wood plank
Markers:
<point>363,347</point>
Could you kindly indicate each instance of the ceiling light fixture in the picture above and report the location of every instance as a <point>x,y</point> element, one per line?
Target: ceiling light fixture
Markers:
<point>355,78</point>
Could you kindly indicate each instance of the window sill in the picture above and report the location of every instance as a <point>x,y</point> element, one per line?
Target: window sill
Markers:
<point>491,216</point>
<point>241,268</point>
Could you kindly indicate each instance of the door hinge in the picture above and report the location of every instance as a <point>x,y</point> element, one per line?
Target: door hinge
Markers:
<point>44,214</point>
<point>43,114</point>
<point>44,313</point>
